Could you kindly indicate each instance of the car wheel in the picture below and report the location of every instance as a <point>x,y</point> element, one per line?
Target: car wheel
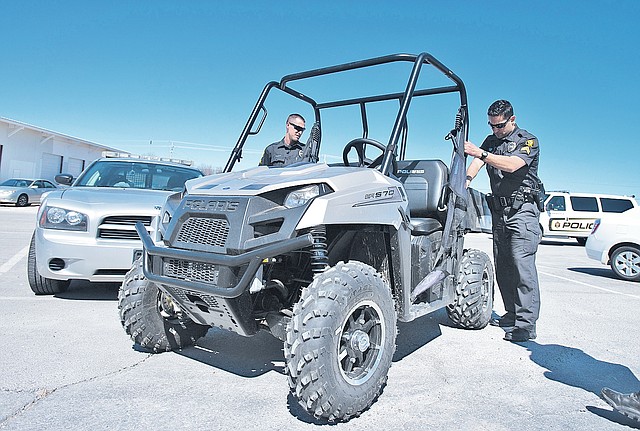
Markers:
<point>340,341</point>
<point>625,262</point>
<point>40,285</point>
<point>23,201</point>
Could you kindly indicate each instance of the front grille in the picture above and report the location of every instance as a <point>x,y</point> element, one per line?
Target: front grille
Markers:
<point>191,271</point>
<point>204,231</point>
<point>121,227</point>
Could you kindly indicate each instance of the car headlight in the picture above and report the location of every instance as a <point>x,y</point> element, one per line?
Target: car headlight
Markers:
<point>6,192</point>
<point>60,218</point>
<point>301,196</point>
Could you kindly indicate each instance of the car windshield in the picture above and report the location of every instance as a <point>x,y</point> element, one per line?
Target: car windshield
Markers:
<point>136,174</point>
<point>16,182</point>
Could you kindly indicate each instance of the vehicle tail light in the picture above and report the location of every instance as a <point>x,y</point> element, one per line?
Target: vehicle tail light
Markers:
<point>595,226</point>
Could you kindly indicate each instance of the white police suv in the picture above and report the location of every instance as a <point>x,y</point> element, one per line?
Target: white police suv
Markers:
<point>573,214</point>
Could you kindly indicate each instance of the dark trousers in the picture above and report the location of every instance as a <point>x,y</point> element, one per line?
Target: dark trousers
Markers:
<point>516,235</point>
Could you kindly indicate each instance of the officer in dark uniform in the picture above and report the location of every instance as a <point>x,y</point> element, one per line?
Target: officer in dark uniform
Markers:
<point>289,149</point>
<point>511,155</point>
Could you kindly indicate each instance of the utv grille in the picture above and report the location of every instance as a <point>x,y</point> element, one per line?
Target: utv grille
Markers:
<point>121,227</point>
<point>204,231</point>
<point>191,271</point>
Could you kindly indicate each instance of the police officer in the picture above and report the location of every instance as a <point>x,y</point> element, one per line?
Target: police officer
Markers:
<point>511,155</point>
<point>289,149</point>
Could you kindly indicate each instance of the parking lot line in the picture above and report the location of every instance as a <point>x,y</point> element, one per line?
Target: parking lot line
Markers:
<point>589,285</point>
<point>8,265</point>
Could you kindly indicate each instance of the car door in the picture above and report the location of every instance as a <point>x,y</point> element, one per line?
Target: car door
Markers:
<point>585,211</point>
<point>555,215</point>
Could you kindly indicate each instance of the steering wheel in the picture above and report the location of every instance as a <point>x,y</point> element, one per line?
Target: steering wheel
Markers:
<point>360,144</point>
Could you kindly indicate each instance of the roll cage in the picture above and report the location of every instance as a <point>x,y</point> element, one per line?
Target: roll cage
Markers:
<point>397,144</point>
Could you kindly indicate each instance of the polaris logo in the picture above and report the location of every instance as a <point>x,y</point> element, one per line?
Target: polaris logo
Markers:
<point>210,206</point>
<point>411,171</point>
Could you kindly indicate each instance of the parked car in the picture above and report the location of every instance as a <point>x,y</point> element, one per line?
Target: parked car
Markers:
<point>573,214</point>
<point>22,191</point>
<point>86,231</point>
<point>616,241</point>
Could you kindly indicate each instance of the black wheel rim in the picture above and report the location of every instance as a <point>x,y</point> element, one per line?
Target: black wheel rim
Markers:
<point>486,290</point>
<point>361,343</point>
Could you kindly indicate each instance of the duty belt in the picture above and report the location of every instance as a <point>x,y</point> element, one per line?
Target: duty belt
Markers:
<point>506,201</point>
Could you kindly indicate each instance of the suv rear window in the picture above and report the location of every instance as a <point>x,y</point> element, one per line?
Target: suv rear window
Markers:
<point>584,203</point>
<point>611,205</point>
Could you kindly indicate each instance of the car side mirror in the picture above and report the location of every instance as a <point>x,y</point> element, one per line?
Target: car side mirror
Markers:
<point>64,179</point>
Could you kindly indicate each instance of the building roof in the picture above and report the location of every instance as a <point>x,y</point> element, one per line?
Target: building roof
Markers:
<point>20,125</point>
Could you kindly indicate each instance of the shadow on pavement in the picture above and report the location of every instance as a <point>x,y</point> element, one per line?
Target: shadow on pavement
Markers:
<point>614,416</point>
<point>565,242</point>
<point>417,333</point>
<point>604,272</point>
<point>84,290</point>
<point>575,368</point>
<point>243,356</point>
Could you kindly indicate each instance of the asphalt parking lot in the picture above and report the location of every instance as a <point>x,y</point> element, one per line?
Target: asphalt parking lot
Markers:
<point>66,363</point>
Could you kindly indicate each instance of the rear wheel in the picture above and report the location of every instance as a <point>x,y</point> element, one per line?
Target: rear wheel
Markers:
<point>625,262</point>
<point>39,284</point>
<point>151,318</point>
<point>474,291</point>
<point>340,341</point>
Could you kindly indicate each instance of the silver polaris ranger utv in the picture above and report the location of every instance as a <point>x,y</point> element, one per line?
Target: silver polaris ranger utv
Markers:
<point>325,256</point>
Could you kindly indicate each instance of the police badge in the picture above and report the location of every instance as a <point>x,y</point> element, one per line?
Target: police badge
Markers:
<point>511,146</point>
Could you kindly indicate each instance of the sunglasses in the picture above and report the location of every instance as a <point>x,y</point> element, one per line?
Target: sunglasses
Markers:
<point>298,128</point>
<point>499,125</point>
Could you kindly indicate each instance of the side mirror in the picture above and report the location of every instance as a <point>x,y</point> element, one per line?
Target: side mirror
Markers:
<point>64,179</point>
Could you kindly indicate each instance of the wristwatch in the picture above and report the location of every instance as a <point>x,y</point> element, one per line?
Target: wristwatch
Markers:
<point>483,155</point>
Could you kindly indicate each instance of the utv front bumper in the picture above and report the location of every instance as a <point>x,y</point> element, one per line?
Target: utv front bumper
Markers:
<point>210,273</point>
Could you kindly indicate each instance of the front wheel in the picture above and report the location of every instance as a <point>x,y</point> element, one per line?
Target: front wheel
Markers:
<point>23,200</point>
<point>151,318</point>
<point>38,284</point>
<point>340,341</point>
<point>473,302</point>
<point>625,262</point>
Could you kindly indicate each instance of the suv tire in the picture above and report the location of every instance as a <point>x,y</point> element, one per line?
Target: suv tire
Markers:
<point>151,318</point>
<point>340,341</point>
<point>625,263</point>
<point>474,291</point>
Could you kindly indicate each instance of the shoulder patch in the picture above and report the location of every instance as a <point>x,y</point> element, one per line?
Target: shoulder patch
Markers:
<point>526,149</point>
<point>531,142</point>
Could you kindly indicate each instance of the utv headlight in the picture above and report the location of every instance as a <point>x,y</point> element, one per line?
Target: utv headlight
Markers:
<point>301,196</point>
<point>60,218</point>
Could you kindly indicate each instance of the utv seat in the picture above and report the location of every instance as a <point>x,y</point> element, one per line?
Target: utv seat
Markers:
<point>425,182</point>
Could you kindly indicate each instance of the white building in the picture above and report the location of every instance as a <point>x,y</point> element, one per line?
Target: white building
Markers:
<point>33,152</point>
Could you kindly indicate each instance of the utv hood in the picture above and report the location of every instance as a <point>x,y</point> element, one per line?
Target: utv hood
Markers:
<point>263,179</point>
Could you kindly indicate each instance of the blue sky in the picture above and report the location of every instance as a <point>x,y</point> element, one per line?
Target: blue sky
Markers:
<point>184,75</point>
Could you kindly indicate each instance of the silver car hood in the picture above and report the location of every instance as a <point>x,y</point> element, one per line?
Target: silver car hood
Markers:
<point>116,198</point>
